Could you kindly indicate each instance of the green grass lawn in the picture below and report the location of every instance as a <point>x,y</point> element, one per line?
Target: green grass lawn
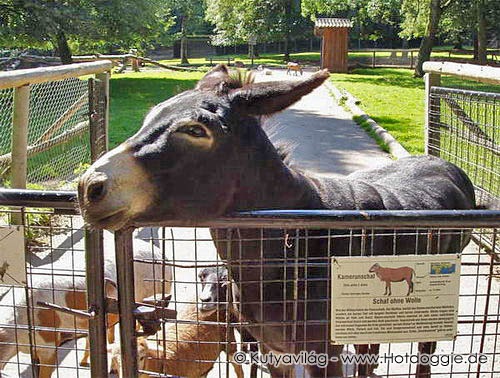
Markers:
<point>264,58</point>
<point>395,100</point>
<point>133,94</point>
<point>310,57</point>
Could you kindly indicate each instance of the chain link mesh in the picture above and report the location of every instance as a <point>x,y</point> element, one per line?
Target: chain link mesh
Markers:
<point>58,132</point>
<point>466,131</point>
<point>6,101</point>
<point>59,118</point>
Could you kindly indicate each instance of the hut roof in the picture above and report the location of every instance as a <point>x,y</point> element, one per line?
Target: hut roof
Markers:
<point>333,23</point>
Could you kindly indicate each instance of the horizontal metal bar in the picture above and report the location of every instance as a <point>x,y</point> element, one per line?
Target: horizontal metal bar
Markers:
<point>66,310</point>
<point>335,219</point>
<point>446,90</point>
<point>52,199</point>
<point>341,219</point>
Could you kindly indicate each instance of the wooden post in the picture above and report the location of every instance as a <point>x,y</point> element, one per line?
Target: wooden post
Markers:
<point>20,119</point>
<point>135,64</point>
<point>432,115</point>
<point>373,59</point>
<point>411,59</point>
<point>104,78</point>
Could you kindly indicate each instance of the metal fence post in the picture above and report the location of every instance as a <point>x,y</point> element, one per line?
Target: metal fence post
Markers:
<point>94,253</point>
<point>104,85</point>
<point>126,301</point>
<point>98,115</point>
<point>432,115</point>
<point>94,256</point>
<point>20,120</point>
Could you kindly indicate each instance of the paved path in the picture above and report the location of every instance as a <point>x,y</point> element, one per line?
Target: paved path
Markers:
<point>326,139</point>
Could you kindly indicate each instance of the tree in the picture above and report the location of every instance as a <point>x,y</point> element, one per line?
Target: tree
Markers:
<point>190,18</point>
<point>271,20</point>
<point>372,19</point>
<point>451,20</point>
<point>422,18</point>
<point>44,23</point>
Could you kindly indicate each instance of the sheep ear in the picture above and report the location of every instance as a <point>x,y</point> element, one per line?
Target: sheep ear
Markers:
<point>214,78</point>
<point>271,97</point>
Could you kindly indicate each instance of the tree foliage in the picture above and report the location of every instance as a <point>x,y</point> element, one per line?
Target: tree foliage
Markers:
<point>85,23</point>
<point>110,25</point>
<point>269,20</point>
<point>372,19</point>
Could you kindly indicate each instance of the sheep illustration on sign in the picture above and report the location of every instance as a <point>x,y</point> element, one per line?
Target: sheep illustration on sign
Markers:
<point>389,275</point>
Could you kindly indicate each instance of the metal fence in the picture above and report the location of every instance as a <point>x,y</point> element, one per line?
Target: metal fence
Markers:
<point>465,128</point>
<point>284,299</point>
<point>463,124</point>
<point>45,123</point>
<point>49,268</point>
<point>173,334</point>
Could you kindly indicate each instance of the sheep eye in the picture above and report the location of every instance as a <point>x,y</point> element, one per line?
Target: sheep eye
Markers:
<point>195,130</point>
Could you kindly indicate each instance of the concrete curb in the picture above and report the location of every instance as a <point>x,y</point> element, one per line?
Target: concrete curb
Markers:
<point>395,148</point>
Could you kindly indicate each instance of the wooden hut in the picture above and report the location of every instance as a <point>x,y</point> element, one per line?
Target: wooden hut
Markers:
<point>334,44</point>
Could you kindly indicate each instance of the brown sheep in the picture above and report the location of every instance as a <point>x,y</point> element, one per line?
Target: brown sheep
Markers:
<point>190,348</point>
<point>295,67</point>
<point>389,275</point>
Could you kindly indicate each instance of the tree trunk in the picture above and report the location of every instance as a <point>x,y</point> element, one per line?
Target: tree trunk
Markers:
<point>475,46</point>
<point>424,53</point>
<point>184,58</point>
<point>63,48</point>
<point>288,12</point>
<point>481,33</point>
<point>286,49</point>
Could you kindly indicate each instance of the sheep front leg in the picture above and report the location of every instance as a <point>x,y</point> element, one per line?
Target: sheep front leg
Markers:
<point>237,367</point>
<point>86,354</point>
<point>232,350</point>
<point>47,364</point>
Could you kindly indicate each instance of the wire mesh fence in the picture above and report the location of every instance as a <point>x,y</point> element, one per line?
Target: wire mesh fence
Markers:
<point>199,295</point>
<point>58,129</point>
<point>258,290</point>
<point>464,129</point>
<point>45,263</point>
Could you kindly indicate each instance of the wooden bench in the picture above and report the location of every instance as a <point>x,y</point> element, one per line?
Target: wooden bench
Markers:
<point>212,59</point>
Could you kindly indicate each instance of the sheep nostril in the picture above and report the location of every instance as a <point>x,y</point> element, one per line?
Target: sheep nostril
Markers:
<point>96,191</point>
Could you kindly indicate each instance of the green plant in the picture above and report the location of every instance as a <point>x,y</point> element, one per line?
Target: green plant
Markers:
<point>366,126</point>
